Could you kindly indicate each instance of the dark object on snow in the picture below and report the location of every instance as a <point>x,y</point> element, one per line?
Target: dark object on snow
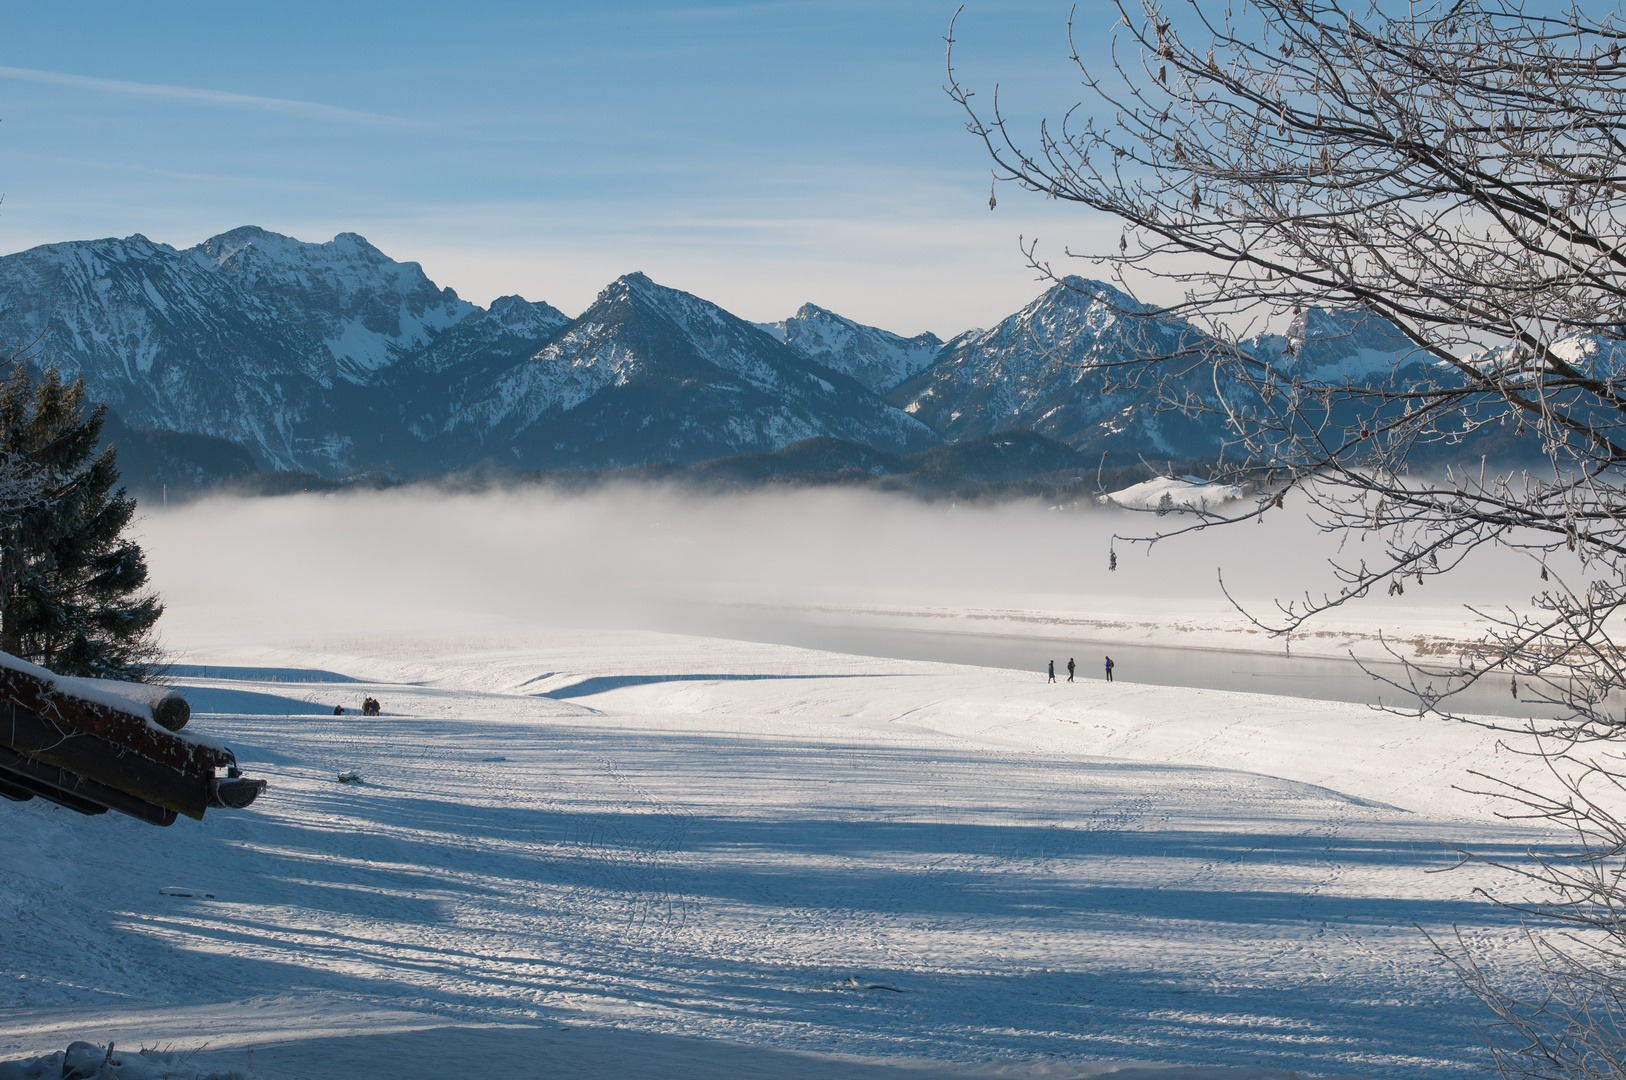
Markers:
<point>1052,671</point>
<point>1071,667</point>
<point>85,1061</point>
<point>1110,665</point>
<point>856,985</point>
<point>370,707</point>
<point>94,746</point>
<point>171,890</point>
<point>349,778</point>
<point>338,710</point>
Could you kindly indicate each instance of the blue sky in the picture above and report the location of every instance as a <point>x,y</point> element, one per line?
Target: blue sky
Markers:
<point>759,154</point>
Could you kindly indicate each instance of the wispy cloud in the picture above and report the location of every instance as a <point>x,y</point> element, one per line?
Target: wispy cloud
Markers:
<point>224,99</point>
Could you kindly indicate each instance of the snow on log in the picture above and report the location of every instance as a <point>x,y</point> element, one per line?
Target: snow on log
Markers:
<point>162,703</point>
<point>95,744</point>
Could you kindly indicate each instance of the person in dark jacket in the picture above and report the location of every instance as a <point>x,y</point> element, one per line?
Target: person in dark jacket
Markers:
<point>1070,668</point>
<point>1110,666</point>
<point>1052,671</point>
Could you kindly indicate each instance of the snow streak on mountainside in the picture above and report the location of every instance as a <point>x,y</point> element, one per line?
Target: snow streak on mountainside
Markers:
<point>877,358</point>
<point>649,373</point>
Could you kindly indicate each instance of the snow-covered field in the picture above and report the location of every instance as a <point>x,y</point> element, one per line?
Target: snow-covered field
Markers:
<point>615,852</point>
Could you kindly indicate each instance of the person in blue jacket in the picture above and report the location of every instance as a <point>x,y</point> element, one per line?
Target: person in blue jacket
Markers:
<point>1110,666</point>
<point>1052,671</point>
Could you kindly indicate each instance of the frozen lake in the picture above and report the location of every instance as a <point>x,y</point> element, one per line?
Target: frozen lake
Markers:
<point>1209,669</point>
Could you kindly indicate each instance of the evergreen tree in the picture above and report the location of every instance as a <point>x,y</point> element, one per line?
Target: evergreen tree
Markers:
<point>71,586</point>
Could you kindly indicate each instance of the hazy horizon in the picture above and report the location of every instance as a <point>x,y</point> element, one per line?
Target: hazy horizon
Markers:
<point>657,557</point>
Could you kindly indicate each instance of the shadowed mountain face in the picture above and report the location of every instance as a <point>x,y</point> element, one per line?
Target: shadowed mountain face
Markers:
<point>367,311</point>
<point>1331,345</point>
<point>164,339</point>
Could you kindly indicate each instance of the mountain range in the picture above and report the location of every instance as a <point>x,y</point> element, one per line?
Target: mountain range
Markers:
<point>256,351</point>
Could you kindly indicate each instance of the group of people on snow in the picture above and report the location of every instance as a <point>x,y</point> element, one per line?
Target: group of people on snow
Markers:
<point>369,707</point>
<point>1071,667</point>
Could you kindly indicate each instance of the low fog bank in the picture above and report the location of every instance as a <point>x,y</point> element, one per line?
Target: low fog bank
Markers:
<point>648,558</point>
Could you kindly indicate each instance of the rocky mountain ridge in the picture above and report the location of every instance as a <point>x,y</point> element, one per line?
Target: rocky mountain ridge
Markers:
<point>877,358</point>
<point>334,358</point>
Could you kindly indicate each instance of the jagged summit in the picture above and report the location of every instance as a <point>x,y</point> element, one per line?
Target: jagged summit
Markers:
<point>651,373</point>
<point>1047,369</point>
<point>366,309</point>
<point>877,358</point>
<point>1338,343</point>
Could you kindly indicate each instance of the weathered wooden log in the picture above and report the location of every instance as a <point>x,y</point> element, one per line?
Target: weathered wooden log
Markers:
<point>61,798</point>
<point>234,792</point>
<point>172,711</point>
<point>13,792</point>
<point>74,791</point>
<point>81,705</point>
<point>168,707</point>
<point>105,762</point>
<point>92,744</point>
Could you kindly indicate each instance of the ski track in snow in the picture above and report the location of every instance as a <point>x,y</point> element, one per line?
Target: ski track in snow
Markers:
<point>689,839</point>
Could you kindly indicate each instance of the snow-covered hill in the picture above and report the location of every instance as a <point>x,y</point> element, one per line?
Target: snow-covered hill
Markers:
<point>877,358</point>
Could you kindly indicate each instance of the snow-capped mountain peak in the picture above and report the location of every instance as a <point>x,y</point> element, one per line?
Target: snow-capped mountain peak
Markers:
<point>1055,367</point>
<point>652,373</point>
<point>1335,344</point>
<point>366,309</point>
<point>877,358</point>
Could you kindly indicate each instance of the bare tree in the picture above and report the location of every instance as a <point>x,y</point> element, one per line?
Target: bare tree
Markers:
<point>1455,175</point>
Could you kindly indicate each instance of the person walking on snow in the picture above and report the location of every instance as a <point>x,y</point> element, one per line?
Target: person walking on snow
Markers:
<point>1052,671</point>
<point>1110,666</point>
<point>1070,667</point>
